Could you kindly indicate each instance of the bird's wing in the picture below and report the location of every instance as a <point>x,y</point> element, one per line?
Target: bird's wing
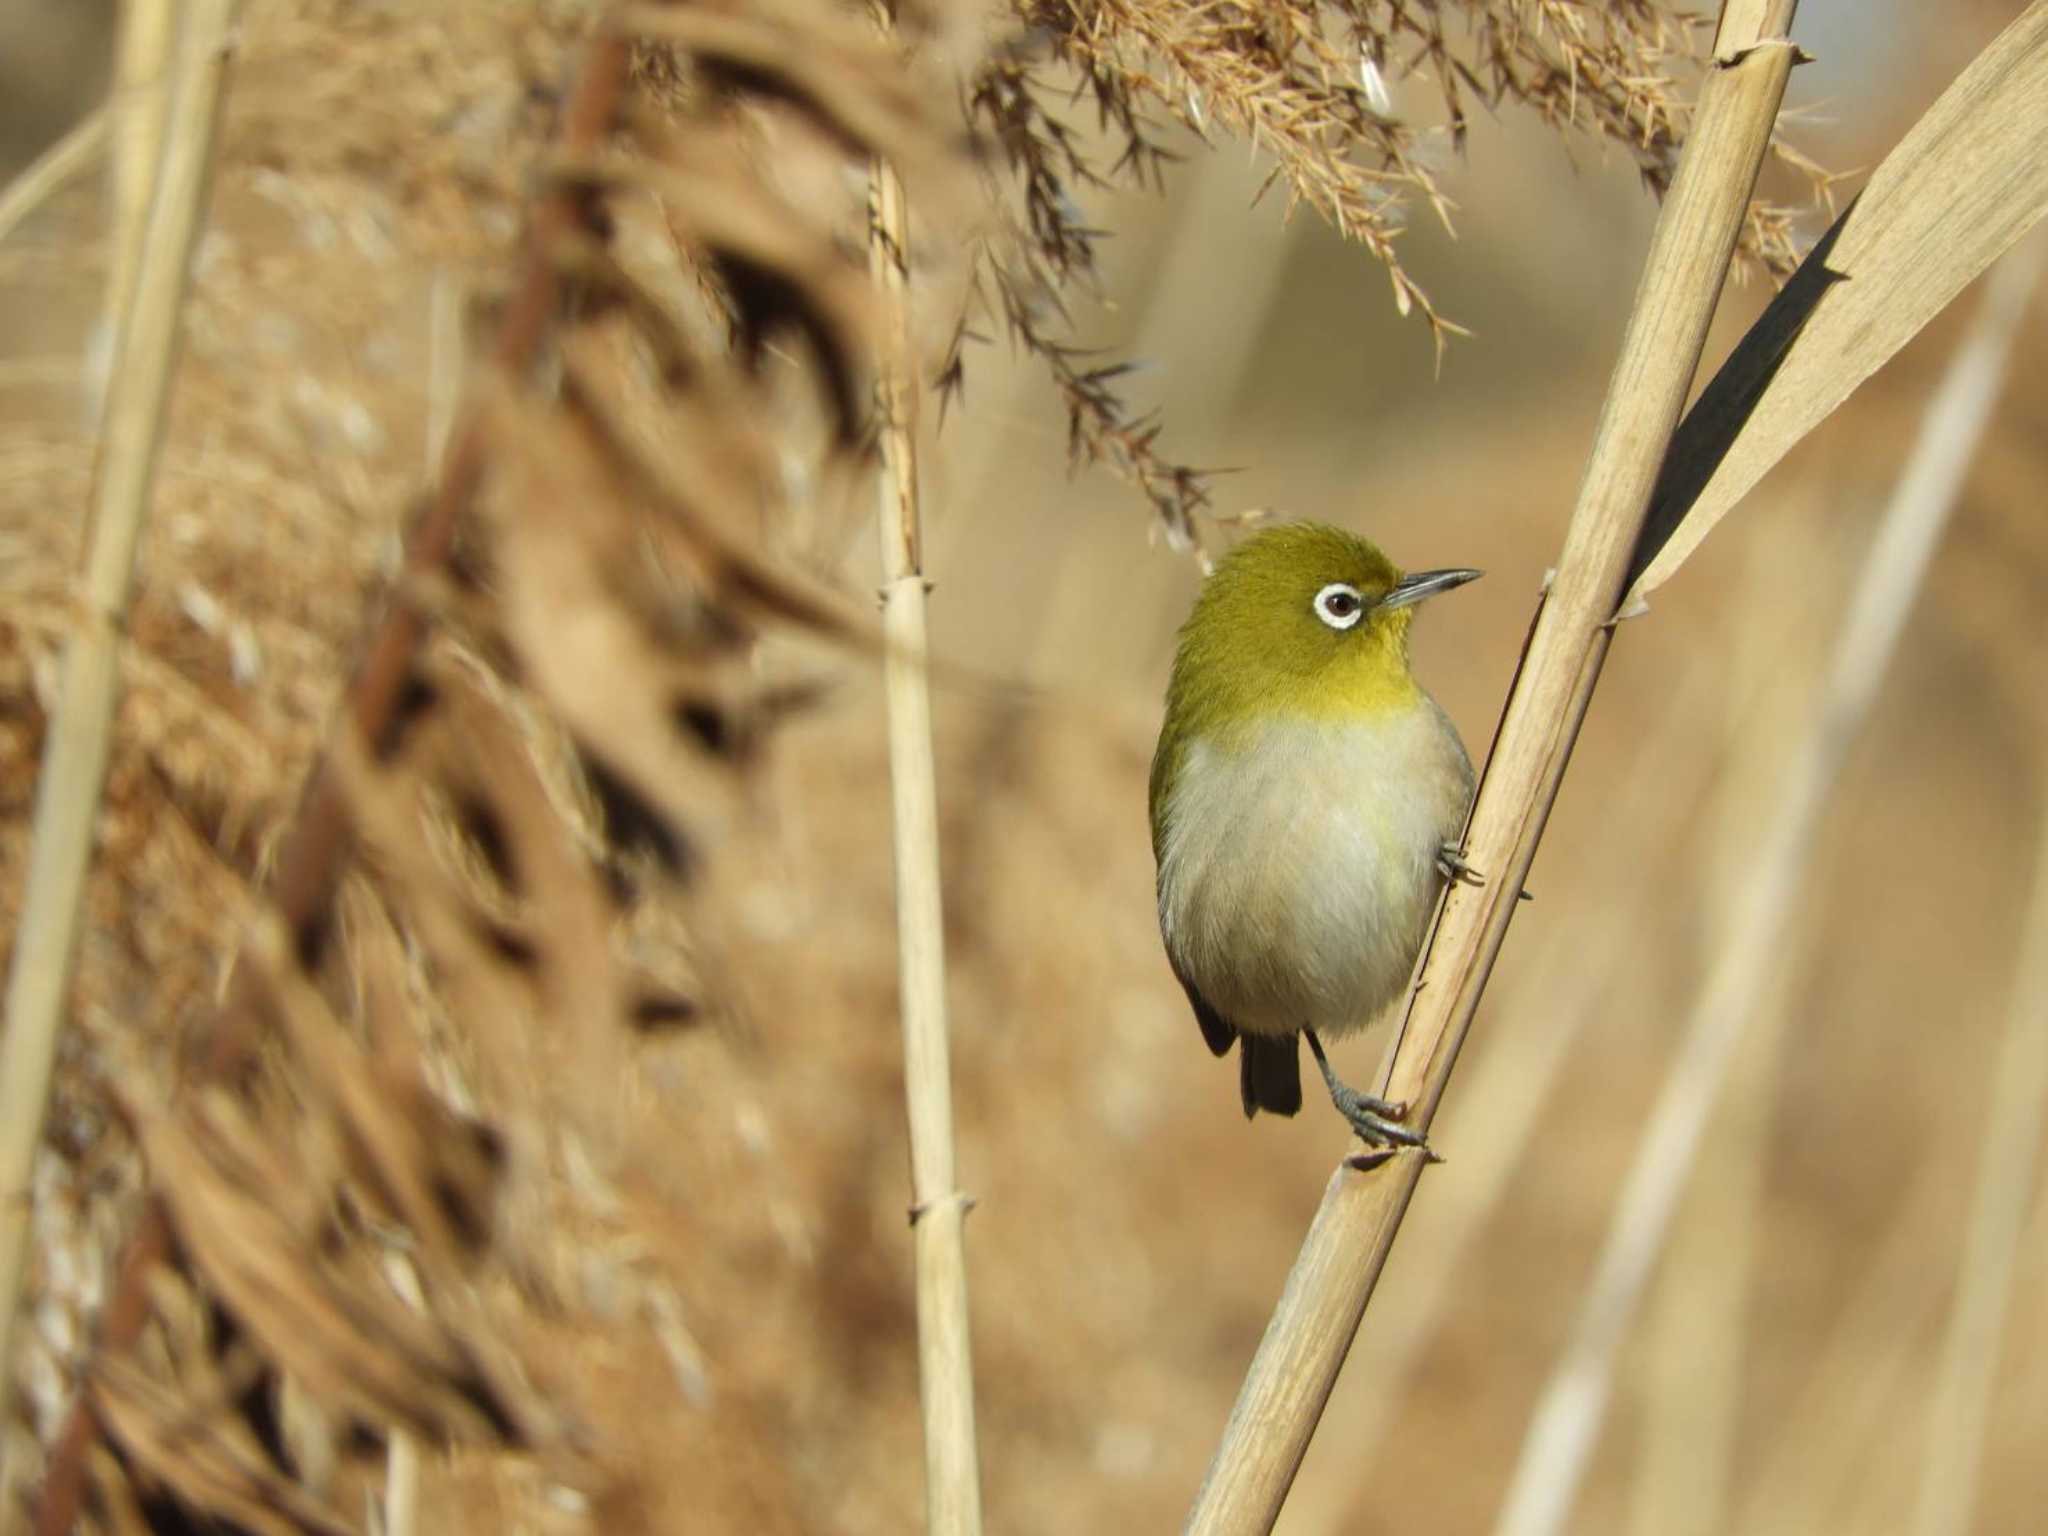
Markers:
<point>1218,1031</point>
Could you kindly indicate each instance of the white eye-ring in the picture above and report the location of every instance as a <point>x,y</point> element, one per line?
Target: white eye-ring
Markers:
<point>1339,605</point>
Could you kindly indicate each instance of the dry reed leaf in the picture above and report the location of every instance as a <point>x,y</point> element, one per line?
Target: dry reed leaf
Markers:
<point>385,989</point>
<point>408,1153</point>
<point>250,1227</point>
<point>209,1459</point>
<point>512,906</point>
<point>435,905</point>
<point>566,613</point>
<point>1965,183</point>
<point>556,906</point>
<point>115,1495</point>
<point>665,477</point>
<point>780,269</point>
<point>835,72</point>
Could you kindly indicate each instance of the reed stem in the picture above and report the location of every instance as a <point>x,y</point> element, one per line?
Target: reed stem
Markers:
<point>938,1209</point>
<point>1347,1245</point>
<point>75,757</point>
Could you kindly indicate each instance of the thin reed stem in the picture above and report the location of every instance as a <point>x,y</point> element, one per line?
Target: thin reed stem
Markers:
<point>1699,1318</point>
<point>75,760</point>
<point>2014,1130</point>
<point>1958,1411</point>
<point>1347,1244</point>
<point>48,172</point>
<point>1565,1427</point>
<point>938,1209</point>
<point>141,101</point>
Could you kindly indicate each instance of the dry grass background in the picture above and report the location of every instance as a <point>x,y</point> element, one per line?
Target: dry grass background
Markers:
<point>715,1277</point>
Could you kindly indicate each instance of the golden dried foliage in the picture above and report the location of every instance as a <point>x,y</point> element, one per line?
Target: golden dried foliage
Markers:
<point>1310,86</point>
<point>575,702</point>
<point>378,1221</point>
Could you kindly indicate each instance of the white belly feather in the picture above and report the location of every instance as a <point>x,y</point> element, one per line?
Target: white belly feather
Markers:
<point>1296,876</point>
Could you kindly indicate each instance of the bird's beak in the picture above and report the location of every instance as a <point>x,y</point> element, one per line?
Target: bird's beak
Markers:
<point>1417,585</point>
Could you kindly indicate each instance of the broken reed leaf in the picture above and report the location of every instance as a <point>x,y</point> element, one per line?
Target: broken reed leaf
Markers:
<point>240,1218</point>
<point>312,858</point>
<point>828,67</point>
<point>208,1460</point>
<point>424,1167</point>
<point>780,269</point>
<point>1967,181</point>
<point>566,909</point>
<point>570,614</point>
<point>547,991</point>
<point>630,823</point>
<point>660,473</point>
<point>431,904</point>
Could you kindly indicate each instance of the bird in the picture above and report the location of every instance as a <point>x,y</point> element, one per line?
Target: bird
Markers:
<point>1307,796</point>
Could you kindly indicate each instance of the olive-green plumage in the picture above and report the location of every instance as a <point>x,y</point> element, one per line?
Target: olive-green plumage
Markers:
<point>1303,794</point>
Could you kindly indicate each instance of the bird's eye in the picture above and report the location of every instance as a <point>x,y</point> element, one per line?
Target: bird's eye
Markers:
<point>1339,605</point>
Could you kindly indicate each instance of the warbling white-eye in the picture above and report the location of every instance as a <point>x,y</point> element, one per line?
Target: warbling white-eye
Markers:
<point>1307,799</point>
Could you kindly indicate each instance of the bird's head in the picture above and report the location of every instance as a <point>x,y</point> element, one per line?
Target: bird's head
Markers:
<point>1300,619</point>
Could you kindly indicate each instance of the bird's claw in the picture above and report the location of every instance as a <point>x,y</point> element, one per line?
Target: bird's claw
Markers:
<point>1375,1121</point>
<point>1450,863</point>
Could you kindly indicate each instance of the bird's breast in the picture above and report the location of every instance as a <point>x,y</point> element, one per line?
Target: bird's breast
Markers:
<point>1298,867</point>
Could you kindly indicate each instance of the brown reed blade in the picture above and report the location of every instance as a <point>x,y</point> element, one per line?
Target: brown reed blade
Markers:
<point>1958,191</point>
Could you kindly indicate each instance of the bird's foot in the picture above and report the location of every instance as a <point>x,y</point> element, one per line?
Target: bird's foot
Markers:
<point>1450,863</point>
<point>1376,1121</point>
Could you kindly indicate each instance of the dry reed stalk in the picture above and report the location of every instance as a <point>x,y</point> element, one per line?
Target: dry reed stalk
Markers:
<point>48,172</point>
<point>1348,1241</point>
<point>1503,1100</point>
<point>938,1211</point>
<point>315,848</point>
<point>1697,1325</point>
<point>1958,1410</point>
<point>75,762</point>
<point>1565,1426</point>
<point>141,98</point>
<point>1507,1094</point>
<point>1697,1328</point>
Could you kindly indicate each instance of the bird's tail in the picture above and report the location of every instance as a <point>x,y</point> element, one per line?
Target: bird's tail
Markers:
<point>1269,1073</point>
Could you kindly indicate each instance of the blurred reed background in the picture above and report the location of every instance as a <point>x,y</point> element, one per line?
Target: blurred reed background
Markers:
<point>736,1255</point>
